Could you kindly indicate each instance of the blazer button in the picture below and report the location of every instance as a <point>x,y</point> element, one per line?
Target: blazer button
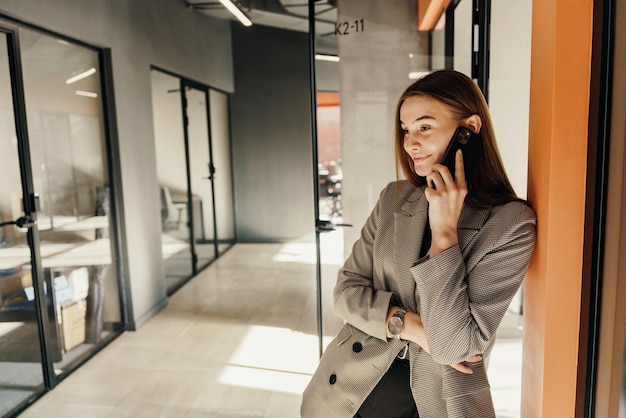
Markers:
<point>333,379</point>
<point>357,347</point>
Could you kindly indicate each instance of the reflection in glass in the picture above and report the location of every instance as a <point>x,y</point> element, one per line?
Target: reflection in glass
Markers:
<point>69,168</point>
<point>20,350</point>
<point>172,172</point>
<point>201,179</point>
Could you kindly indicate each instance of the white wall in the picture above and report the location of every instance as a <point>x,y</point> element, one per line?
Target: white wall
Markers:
<point>509,85</point>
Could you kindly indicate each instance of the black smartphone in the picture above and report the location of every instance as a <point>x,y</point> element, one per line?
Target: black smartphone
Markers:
<point>469,143</point>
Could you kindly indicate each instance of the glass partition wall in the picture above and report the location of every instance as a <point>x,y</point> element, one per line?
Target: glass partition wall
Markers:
<point>69,168</point>
<point>193,162</point>
<point>367,54</point>
<point>59,292</point>
<point>21,375</point>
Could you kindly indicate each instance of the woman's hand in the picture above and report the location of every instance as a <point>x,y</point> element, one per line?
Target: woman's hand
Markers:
<point>414,331</point>
<point>466,369</point>
<point>445,197</point>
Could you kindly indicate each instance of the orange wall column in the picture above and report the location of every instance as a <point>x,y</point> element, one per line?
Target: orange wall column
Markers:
<point>559,105</point>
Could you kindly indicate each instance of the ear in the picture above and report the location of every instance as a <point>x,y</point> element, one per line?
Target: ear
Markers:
<point>474,123</point>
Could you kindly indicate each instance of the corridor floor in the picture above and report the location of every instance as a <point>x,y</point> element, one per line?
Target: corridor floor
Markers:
<point>238,340</point>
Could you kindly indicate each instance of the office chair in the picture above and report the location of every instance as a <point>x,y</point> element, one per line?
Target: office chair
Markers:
<point>170,220</point>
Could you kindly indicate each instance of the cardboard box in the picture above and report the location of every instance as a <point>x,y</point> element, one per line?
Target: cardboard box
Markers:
<point>73,324</point>
<point>14,282</point>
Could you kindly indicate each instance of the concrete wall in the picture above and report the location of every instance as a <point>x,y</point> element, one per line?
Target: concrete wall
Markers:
<point>140,33</point>
<point>374,71</point>
<point>271,134</point>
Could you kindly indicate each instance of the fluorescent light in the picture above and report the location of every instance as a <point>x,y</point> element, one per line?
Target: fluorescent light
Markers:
<point>86,93</point>
<point>80,76</point>
<point>414,75</point>
<point>236,12</point>
<point>322,57</point>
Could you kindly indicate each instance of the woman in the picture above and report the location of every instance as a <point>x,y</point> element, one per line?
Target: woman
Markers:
<point>432,275</point>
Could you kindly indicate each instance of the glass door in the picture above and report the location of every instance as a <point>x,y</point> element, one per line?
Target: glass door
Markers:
<point>201,197</point>
<point>355,119</point>
<point>173,181</point>
<point>21,372</point>
<point>366,55</point>
<point>59,290</point>
<point>70,170</point>
<point>192,141</point>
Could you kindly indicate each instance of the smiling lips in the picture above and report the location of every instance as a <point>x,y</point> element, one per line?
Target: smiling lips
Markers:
<point>419,158</point>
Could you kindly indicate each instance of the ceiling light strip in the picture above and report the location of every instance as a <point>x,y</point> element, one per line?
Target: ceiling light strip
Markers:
<point>322,57</point>
<point>80,76</point>
<point>236,12</point>
<point>86,93</point>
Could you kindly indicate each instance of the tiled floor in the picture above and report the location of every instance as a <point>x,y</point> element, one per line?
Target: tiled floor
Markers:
<point>239,340</point>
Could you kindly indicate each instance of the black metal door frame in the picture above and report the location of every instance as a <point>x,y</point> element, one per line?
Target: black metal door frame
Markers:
<point>184,84</point>
<point>481,33</point>
<point>601,88</point>
<point>29,199</point>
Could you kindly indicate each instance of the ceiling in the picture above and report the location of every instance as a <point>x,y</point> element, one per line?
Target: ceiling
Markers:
<point>283,14</point>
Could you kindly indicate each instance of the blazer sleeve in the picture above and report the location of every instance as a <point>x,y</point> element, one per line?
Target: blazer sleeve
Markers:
<point>462,304</point>
<point>356,300</point>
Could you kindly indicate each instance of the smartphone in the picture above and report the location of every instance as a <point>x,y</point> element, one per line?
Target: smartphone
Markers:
<point>469,143</point>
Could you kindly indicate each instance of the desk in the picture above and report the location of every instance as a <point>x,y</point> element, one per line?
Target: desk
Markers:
<point>90,253</point>
<point>71,223</point>
<point>20,255</point>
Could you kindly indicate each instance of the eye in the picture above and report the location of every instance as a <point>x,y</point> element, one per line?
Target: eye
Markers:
<point>404,131</point>
<point>424,128</point>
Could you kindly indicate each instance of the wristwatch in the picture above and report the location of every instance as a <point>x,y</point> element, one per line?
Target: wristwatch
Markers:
<point>395,325</point>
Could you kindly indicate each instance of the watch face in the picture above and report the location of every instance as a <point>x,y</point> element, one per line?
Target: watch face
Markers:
<point>395,325</point>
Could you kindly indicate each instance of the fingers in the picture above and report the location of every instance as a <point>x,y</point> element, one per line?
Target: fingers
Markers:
<point>441,176</point>
<point>474,359</point>
<point>462,368</point>
<point>459,169</point>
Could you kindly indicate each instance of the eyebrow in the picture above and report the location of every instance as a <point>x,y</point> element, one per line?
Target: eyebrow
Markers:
<point>421,118</point>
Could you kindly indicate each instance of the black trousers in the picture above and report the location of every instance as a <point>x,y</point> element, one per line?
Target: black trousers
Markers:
<point>392,397</point>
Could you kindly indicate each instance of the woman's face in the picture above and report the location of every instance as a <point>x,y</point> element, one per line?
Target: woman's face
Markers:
<point>428,126</point>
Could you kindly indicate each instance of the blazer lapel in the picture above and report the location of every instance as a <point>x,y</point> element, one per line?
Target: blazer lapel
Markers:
<point>410,222</point>
<point>470,222</point>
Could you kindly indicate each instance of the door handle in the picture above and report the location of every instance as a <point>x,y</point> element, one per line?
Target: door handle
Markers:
<point>327,226</point>
<point>211,172</point>
<point>23,222</point>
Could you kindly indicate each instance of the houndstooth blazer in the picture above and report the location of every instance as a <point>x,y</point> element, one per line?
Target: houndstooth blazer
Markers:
<point>462,295</point>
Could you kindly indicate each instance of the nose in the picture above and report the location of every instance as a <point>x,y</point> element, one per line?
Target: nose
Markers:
<point>411,139</point>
